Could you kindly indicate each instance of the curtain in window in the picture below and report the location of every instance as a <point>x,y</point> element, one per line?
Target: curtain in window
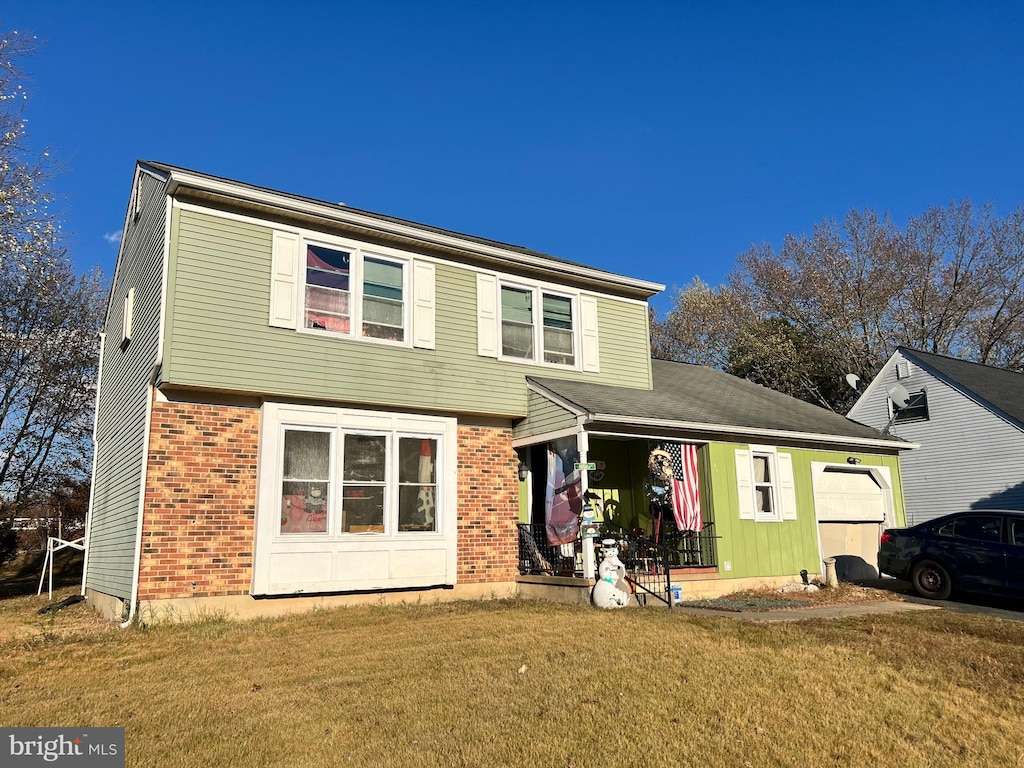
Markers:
<point>516,322</point>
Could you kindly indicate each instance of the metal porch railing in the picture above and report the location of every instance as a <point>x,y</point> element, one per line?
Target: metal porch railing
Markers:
<point>648,565</point>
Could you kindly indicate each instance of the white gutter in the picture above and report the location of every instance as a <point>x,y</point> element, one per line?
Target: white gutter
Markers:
<point>95,450</point>
<point>867,442</point>
<point>150,394</point>
<point>180,179</point>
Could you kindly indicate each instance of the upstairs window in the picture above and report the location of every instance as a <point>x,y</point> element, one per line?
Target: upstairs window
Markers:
<point>516,322</point>
<point>532,320</point>
<point>328,273</point>
<point>342,282</point>
<point>558,334</point>
<point>383,306</point>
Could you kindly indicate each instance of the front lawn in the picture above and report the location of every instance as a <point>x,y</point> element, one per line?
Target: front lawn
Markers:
<point>519,683</point>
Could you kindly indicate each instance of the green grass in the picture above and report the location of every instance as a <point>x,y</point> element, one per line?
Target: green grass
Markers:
<point>520,683</point>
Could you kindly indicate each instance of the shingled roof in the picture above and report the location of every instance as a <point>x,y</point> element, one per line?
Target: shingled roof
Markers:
<point>999,389</point>
<point>693,397</point>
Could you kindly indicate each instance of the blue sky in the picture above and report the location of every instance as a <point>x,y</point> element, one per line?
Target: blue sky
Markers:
<point>655,139</point>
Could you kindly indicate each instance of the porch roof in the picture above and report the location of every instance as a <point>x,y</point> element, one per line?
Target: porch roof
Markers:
<point>697,398</point>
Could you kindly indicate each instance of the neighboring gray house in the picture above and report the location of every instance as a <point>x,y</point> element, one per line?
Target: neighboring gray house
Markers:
<point>969,421</point>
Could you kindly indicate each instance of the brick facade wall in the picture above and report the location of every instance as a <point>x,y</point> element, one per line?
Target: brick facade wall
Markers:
<point>201,496</point>
<point>200,501</point>
<point>488,505</point>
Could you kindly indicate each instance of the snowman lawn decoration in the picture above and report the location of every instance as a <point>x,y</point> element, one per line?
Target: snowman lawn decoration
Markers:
<point>611,572</point>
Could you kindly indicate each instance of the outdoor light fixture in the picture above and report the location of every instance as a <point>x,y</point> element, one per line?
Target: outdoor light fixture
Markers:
<point>852,460</point>
<point>524,472</point>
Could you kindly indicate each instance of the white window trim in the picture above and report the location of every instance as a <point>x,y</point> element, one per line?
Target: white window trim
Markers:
<point>393,554</point>
<point>783,488</point>
<point>539,290</point>
<point>355,281</point>
<point>288,285</point>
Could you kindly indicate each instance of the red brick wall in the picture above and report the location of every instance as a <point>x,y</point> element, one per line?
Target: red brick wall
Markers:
<point>201,496</point>
<point>200,501</point>
<point>488,505</point>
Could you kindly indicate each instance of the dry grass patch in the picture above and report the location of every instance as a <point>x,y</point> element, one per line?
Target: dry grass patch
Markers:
<point>533,684</point>
<point>773,599</point>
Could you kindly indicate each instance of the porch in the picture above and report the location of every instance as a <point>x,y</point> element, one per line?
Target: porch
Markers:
<point>681,562</point>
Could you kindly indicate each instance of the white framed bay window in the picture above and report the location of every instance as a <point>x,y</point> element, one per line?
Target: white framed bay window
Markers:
<point>354,500</point>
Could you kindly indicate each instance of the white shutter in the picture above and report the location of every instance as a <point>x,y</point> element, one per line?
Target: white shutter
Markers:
<point>745,485</point>
<point>787,487</point>
<point>588,334</point>
<point>487,315</point>
<point>284,281</point>
<point>423,305</point>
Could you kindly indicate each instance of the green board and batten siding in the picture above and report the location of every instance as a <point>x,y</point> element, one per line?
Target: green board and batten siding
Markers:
<point>785,548</point>
<point>123,398</point>
<point>218,336</point>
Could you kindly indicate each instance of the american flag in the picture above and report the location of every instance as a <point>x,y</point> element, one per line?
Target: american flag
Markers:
<point>685,486</point>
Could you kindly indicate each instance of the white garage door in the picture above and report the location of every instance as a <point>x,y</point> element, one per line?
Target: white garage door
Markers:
<point>849,496</point>
<point>850,505</point>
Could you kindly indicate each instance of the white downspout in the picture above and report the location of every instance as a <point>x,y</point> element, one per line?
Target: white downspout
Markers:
<point>150,393</point>
<point>95,451</point>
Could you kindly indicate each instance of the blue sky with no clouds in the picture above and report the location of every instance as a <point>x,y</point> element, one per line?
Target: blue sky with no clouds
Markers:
<point>654,139</point>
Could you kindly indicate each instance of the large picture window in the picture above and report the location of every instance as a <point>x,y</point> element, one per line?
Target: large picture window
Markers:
<point>533,319</point>
<point>343,282</point>
<point>354,499</point>
<point>388,483</point>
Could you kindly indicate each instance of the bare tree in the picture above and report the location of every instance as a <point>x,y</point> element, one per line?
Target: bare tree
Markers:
<point>843,298</point>
<point>49,316</point>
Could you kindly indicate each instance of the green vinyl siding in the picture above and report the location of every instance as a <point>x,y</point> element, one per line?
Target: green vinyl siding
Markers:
<point>123,398</point>
<point>218,336</point>
<point>777,548</point>
<point>544,416</point>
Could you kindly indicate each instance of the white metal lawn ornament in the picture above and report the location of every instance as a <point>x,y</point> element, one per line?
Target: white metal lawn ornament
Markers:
<point>610,574</point>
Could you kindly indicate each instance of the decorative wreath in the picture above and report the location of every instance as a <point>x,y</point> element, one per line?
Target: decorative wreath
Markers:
<point>660,464</point>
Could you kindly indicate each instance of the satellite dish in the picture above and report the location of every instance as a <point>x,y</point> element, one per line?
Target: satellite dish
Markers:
<point>853,380</point>
<point>899,396</point>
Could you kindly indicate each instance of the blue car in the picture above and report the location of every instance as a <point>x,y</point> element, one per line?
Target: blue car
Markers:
<point>978,551</point>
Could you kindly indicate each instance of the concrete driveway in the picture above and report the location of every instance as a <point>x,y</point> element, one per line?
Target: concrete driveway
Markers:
<point>996,607</point>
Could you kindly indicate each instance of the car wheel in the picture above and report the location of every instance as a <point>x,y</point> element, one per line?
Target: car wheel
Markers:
<point>931,580</point>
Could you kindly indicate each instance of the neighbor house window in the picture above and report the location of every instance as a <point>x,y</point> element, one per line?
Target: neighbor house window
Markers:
<point>534,320</point>
<point>343,282</point>
<point>916,410</point>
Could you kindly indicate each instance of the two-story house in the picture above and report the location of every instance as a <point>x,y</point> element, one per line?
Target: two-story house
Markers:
<point>304,401</point>
<point>967,418</point>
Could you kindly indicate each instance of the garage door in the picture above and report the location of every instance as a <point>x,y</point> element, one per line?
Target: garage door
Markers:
<point>850,506</point>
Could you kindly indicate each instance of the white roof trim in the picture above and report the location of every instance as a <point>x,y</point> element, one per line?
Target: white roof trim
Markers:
<point>181,178</point>
<point>753,431</point>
